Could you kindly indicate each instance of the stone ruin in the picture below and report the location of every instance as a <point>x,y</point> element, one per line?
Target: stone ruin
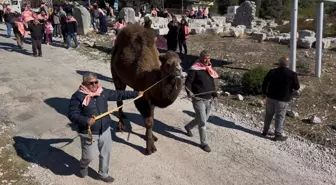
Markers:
<point>245,14</point>
<point>83,18</point>
<point>243,23</point>
<point>128,14</point>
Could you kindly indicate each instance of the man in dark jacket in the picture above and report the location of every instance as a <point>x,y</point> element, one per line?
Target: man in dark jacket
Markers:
<point>71,31</point>
<point>9,17</point>
<point>200,86</point>
<point>278,86</point>
<point>91,100</point>
<point>36,30</point>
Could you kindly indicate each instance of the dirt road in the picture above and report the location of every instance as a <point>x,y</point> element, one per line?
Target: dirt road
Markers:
<point>35,94</point>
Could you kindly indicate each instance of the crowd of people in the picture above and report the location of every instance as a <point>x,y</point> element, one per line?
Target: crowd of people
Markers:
<point>42,26</point>
<point>201,13</point>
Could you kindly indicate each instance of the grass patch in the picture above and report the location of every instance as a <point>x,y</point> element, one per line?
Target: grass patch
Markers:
<point>12,167</point>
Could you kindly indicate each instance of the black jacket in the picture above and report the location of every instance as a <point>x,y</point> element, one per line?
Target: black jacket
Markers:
<point>36,30</point>
<point>9,16</point>
<point>279,84</point>
<point>200,81</point>
<point>79,114</point>
<point>71,27</point>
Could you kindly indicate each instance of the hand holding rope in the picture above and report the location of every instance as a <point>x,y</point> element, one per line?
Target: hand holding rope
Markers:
<point>141,93</point>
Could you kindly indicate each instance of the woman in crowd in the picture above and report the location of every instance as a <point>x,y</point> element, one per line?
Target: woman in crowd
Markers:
<point>172,36</point>
<point>183,36</point>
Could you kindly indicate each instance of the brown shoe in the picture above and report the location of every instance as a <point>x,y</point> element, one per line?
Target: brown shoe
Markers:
<point>206,148</point>
<point>107,179</point>
<point>189,133</point>
<point>280,138</point>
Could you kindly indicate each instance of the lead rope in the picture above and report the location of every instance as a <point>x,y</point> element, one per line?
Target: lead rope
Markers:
<point>213,101</point>
<point>117,108</point>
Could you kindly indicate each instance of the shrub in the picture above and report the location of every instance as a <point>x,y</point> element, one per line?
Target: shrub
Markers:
<point>253,79</point>
<point>302,66</point>
<point>233,79</point>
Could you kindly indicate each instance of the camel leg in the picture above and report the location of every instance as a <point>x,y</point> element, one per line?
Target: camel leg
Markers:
<point>119,85</point>
<point>147,112</point>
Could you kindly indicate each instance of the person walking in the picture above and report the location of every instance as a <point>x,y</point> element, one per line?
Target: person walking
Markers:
<point>9,17</point>
<point>63,23</point>
<point>71,31</point>
<point>48,31</point>
<point>200,79</point>
<point>172,35</point>
<point>183,36</point>
<point>36,30</point>
<point>278,86</point>
<point>56,24</point>
<point>91,99</point>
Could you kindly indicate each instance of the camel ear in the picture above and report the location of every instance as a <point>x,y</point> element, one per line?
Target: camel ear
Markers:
<point>163,58</point>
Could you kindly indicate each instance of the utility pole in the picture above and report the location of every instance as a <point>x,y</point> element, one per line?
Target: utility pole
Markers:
<point>182,8</point>
<point>319,34</point>
<point>293,33</point>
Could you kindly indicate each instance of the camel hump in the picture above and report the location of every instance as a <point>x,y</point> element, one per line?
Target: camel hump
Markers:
<point>136,35</point>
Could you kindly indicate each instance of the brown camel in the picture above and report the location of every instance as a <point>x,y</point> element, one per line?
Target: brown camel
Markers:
<point>137,63</point>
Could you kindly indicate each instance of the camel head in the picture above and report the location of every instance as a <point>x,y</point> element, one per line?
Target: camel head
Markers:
<point>171,65</point>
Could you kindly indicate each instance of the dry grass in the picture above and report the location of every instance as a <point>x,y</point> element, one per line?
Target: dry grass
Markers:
<point>12,167</point>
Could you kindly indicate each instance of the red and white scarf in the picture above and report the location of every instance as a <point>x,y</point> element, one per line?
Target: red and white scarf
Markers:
<point>198,65</point>
<point>89,94</point>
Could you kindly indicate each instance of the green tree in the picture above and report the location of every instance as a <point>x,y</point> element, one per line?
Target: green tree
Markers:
<point>271,9</point>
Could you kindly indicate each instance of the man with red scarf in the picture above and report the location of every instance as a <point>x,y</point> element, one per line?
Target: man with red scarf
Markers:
<point>89,100</point>
<point>200,86</point>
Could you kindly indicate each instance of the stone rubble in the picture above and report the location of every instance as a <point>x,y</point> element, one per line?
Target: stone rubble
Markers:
<point>315,120</point>
<point>292,114</point>
<point>240,97</point>
<point>239,22</point>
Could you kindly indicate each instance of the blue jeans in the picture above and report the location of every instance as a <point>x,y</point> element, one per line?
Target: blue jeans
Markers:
<point>72,37</point>
<point>9,29</point>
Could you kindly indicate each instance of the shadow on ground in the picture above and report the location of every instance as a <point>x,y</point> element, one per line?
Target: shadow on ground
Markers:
<point>227,124</point>
<point>13,48</point>
<point>40,151</point>
<point>61,105</point>
<point>99,76</point>
<point>159,127</point>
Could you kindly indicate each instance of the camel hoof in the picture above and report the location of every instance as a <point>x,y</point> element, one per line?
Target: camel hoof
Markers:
<point>150,147</point>
<point>155,138</point>
<point>120,127</point>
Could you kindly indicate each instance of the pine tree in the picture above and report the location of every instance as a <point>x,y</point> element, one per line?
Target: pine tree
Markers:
<point>271,9</point>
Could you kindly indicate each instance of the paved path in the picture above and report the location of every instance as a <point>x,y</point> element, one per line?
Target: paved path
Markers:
<point>35,94</point>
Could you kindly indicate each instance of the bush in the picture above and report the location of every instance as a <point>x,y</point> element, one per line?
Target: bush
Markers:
<point>232,78</point>
<point>252,80</point>
<point>302,66</point>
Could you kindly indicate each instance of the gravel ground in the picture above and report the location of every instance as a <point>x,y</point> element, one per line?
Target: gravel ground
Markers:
<point>35,94</point>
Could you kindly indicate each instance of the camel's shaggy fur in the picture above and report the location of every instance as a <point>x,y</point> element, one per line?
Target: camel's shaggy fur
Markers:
<point>137,63</point>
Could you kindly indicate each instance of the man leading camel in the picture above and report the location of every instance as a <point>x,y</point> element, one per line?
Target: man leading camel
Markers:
<point>199,84</point>
<point>91,99</point>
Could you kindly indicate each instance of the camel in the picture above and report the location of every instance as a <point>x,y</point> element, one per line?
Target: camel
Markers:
<point>136,63</point>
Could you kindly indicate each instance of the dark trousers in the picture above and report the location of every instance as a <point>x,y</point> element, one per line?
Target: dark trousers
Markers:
<point>64,33</point>
<point>71,37</point>
<point>57,30</point>
<point>48,38</point>
<point>1,16</point>
<point>36,44</point>
<point>184,44</point>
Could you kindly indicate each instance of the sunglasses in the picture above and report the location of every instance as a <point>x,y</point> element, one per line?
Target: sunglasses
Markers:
<point>93,83</point>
